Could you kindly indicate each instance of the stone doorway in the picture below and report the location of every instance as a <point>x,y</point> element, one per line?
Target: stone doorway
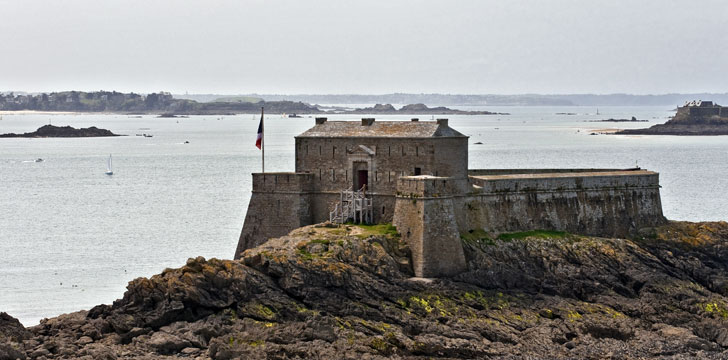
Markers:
<point>361,175</point>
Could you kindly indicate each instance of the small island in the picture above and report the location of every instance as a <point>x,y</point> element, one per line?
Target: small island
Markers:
<point>693,118</point>
<point>633,119</point>
<point>412,109</point>
<point>46,131</point>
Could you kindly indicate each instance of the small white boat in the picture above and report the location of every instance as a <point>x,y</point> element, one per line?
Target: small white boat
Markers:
<point>108,167</point>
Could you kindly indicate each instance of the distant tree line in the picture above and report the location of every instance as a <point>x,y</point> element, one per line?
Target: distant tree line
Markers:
<point>162,102</point>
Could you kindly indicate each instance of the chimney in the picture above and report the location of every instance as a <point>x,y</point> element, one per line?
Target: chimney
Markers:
<point>367,121</point>
<point>442,122</point>
<point>320,120</point>
<point>415,119</point>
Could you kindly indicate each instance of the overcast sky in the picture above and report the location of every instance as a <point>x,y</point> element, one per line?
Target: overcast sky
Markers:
<point>339,46</point>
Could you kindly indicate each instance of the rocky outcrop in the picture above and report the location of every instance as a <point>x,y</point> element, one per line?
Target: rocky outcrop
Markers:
<point>347,292</point>
<point>63,131</point>
<point>688,121</point>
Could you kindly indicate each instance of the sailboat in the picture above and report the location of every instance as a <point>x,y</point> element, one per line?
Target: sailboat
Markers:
<point>108,167</point>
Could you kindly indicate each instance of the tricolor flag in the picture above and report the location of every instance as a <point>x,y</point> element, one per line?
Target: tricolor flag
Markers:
<point>259,139</point>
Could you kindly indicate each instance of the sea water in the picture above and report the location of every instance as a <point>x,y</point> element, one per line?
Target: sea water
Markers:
<point>71,237</point>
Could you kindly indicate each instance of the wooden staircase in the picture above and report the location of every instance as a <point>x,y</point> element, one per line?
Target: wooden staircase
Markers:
<point>353,206</point>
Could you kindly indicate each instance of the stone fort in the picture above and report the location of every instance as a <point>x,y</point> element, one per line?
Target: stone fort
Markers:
<point>415,175</point>
<point>702,108</point>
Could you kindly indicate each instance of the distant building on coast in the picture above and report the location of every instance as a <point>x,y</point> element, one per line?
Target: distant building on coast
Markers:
<point>702,108</point>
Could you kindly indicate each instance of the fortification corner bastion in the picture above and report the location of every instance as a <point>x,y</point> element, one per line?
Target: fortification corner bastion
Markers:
<point>414,174</point>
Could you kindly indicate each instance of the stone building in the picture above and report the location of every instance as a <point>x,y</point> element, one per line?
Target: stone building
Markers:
<point>702,108</point>
<point>415,174</point>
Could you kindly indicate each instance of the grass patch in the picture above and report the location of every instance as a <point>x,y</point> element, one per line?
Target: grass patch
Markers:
<point>540,234</point>
<point>305,255</point>
<point>387,230</point>
<point>320,241</point>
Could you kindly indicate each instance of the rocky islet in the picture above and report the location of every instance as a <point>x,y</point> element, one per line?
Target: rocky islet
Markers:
<point>347,292</point>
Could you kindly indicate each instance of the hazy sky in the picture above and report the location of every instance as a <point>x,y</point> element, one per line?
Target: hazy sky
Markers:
<point>339,46</point>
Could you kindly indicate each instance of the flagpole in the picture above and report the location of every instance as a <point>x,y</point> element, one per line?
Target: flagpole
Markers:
<point>262,138</point>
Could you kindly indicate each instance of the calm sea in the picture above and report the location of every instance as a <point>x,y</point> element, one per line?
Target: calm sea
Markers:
<point>72,237</point>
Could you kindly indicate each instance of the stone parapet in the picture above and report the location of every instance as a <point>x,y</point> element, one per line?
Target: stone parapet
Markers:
<point>426,186</point>
<point>561,182</point>
<point>282,182</point>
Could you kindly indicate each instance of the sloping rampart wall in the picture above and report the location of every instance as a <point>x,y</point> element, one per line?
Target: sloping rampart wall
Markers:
<point>280,203</point>
<point>602,203</point>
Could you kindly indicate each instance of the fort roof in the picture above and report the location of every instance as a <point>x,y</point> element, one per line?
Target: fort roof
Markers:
<point>391,129</point>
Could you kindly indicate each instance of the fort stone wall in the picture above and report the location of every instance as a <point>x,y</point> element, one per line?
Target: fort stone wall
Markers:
<point>425,217</point>
<point>280,203</point>
<point>604,203</point>
<point>332,160</point>
<point>432,212</point>
<point>704,111</point>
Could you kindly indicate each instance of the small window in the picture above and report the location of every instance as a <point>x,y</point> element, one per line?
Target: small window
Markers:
<point>418,171</point>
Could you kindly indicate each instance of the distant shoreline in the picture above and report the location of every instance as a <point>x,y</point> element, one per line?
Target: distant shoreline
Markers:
<point>38,112</point>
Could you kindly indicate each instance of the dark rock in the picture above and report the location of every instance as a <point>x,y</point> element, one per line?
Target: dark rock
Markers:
<point>346,295</point>
<point>11,329</point>
<point>84,340</point>
<point>165,343</point>
<point>63,131</point>
<point>11,352</point>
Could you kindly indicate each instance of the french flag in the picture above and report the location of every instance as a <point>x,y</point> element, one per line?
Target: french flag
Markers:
<point>259,139</point>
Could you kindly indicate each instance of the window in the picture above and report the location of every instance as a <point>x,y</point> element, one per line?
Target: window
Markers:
<point>418,171</point>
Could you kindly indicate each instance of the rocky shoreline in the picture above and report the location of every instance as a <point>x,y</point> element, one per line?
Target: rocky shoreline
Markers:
<point>681,130</point>
<point>347,292</point>
<point>62,131</point>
